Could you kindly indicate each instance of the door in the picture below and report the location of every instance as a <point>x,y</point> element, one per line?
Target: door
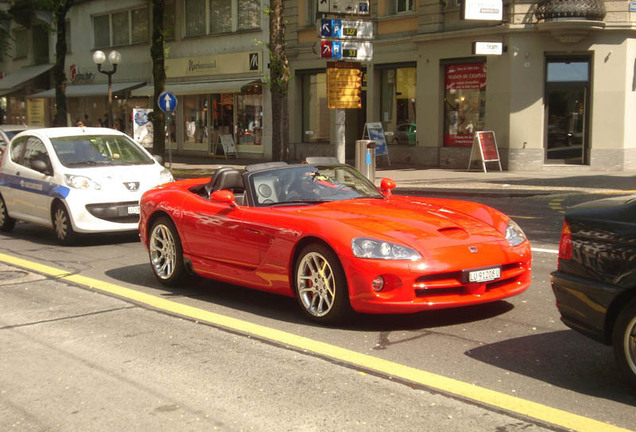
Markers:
<point>567,110</point>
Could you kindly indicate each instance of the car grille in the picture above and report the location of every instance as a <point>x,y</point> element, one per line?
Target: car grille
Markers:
<point>116,212</point>
<point>450,284</point>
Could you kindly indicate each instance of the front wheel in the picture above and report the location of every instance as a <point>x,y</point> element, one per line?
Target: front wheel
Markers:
<point>62,225</point>
<point>6,222</point>
<point>321,285</point>
<point>166,253</point>
<point>625,341</point>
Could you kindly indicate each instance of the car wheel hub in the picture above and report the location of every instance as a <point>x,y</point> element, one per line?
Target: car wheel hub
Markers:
<point>61,222</point>
<point>162,252</point>
<point>316,284</point>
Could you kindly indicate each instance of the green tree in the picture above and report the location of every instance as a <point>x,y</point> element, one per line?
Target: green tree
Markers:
<point>157,53</point>
<point>279,82</point>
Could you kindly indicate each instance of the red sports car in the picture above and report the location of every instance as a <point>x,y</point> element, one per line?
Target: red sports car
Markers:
<point>327,236</point>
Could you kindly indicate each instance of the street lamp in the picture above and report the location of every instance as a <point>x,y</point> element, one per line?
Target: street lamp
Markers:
<point>114,57</point>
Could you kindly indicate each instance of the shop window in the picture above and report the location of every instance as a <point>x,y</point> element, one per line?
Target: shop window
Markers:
<point>249,118</point>
<point>21,43</point>
<point>464,102</point>
<point>315,114</point>
<point>128,27</point>
<point>195,110</point>
<point>397,104</point>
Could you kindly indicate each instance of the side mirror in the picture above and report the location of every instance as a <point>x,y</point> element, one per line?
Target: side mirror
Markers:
<point>224,196</point>
<point>386,186</point>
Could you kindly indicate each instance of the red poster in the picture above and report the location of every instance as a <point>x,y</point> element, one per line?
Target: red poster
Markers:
<point>466,76</point>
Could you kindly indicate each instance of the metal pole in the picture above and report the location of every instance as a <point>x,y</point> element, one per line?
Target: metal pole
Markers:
<point>110,100</point>
<point>340,134</point>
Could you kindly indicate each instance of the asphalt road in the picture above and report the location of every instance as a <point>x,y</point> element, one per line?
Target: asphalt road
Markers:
<point>75,359</point>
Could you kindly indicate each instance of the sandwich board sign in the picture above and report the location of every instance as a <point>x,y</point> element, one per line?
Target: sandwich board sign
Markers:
<point>485,144</point>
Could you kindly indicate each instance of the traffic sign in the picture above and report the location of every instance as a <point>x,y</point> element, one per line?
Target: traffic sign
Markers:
<point>352,7</point>
<point>359,51</point>
<point>167,102</point>
<point>345,29</point>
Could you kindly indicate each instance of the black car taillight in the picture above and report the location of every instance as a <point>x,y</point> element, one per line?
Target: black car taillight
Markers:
<point>565,245</point>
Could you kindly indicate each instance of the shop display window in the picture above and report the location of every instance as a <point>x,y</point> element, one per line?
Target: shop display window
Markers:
<point>397,104</point>
<point>464,102</point>
<point>195,111</point>
<point>249,117</point>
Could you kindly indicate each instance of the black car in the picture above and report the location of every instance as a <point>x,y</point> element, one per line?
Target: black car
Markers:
<point>595,283</point>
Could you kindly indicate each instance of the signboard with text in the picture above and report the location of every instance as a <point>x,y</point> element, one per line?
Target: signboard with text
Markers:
<point>482,10</point>
<point>345,29</point>
<point>485,144</point>
<point>351,7</point>
<point>344,85</point>
<point>340,50</point>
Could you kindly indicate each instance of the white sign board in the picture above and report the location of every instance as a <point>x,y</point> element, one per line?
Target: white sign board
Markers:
<point>350,7</point>
<point>142,127</point>
<point>487,48</point>
<point>488,10</point>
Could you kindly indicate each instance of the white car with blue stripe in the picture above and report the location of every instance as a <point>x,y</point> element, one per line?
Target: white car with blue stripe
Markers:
<point>76,180</point>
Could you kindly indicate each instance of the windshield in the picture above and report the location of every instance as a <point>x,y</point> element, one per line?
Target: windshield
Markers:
<point>309,184</point>
<point>98,150</point>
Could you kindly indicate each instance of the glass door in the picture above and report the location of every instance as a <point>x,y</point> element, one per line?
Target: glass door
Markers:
<point>567,111</point>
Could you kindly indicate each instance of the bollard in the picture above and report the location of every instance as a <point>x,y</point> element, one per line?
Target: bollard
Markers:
<point>365,158</point>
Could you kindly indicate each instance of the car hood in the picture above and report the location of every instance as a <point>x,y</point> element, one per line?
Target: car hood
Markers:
<point>412,222</point>
<point>132,177</point>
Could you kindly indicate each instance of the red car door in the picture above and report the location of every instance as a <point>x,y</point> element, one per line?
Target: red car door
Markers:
<point>217,233</point>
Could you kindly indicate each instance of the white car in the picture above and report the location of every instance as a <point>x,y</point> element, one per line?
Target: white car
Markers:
<point>76,180</point>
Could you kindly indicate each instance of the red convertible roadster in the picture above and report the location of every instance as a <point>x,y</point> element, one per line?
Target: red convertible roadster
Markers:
<point>327,236</point>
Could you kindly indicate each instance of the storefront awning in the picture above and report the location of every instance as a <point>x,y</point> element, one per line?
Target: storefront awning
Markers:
<point>90,90</point>
<point>16,79</point>
<point>195,88</point>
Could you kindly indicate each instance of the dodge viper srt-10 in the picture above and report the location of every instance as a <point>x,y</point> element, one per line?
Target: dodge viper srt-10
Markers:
<point>325,234</point>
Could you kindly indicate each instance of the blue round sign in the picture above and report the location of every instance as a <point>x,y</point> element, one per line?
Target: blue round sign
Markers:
<point>167,102</point>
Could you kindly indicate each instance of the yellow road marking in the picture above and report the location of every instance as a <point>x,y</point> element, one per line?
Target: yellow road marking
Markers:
<point>493,398</point>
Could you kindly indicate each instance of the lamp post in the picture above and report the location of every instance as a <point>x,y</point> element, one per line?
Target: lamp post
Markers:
<point>114,57</point>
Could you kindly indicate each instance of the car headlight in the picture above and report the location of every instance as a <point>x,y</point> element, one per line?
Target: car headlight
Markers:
<point>514,234</point>
<point>378,249</point>
<point>165,176</point>
<point>81,182</point>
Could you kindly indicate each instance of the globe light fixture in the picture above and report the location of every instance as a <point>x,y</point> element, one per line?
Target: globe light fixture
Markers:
<point>114,58</point>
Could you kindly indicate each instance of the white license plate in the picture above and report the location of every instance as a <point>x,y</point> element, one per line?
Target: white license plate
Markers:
<point>133,210</point>
<point>484,275</point>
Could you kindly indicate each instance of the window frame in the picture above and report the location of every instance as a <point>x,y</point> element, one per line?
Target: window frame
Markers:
<point>235,24</point>
<point>130,26</point>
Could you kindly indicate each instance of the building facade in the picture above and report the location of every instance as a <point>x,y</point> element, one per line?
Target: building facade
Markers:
<point>214,66</point>
<point>561,92</point>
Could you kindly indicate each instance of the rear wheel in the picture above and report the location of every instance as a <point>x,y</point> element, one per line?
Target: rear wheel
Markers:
<point>62,225</point>
<point>321,285</point>
<point>166,253</point>
<point>6,222</point>
<point>625,341</point>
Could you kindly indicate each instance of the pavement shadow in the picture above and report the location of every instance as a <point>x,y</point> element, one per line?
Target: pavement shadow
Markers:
<point>563,359</point>
<point>286,309</point>
<point>46,237</point>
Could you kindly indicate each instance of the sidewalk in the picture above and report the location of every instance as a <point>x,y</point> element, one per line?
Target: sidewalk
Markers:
<point>553,179</point>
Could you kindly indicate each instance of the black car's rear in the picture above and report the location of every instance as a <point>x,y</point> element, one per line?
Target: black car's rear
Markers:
<point>595,284</point>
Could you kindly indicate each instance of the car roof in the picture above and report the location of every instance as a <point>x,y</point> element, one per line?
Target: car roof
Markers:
<point>58,132</point>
